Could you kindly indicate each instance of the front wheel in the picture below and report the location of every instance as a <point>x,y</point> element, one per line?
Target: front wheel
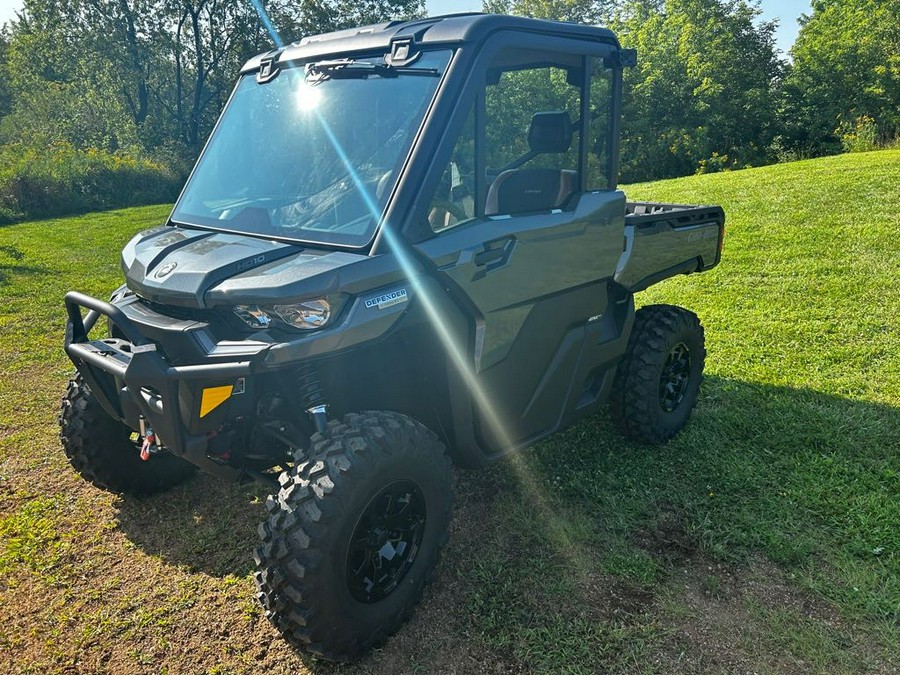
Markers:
<point>354,534</point>
<point>103,451</point>
<point>657,382</point>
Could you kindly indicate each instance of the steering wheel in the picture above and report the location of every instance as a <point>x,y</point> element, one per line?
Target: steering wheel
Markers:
<point>451,208</point>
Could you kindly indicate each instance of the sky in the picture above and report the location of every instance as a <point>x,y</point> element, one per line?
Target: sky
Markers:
<point>786,11</point>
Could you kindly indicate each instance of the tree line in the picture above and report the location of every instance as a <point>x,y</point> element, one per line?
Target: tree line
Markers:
<point>711,92</point>
<point>107,102</point>
<point>147,73</point>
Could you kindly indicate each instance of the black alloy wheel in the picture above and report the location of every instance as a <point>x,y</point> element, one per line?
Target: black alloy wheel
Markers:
<point>675,377</point>
<point>386,541</point>
<point>659,377</point>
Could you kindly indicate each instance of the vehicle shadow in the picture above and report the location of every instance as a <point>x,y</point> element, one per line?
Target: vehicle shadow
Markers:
<point>206,525</point>
<point>747,470</point>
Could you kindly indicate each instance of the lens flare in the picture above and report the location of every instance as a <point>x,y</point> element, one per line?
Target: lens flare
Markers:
<point>554,523</point>
<point>267,23</point>
<point>307,96</point>
<point>465,367</point>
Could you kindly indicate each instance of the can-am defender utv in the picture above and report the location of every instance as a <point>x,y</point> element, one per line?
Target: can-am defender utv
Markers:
<point>402,246</point>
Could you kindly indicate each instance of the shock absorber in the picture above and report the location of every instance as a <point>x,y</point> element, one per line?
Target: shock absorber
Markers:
<point>309,392</point>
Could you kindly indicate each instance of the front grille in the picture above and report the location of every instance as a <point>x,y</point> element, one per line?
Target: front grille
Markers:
<point>175,312</point>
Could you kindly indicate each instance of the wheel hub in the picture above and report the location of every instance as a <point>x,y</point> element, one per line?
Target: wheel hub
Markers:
<point>385,541</point>
<point>674,377</point>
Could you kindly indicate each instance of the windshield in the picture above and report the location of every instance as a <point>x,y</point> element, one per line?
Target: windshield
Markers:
<point>313,154</point>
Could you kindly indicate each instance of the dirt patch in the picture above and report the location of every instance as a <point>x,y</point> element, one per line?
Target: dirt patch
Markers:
<point>668,540</point>
<point>609,598</point>
<point>706,624</point>
<point>719,618</point>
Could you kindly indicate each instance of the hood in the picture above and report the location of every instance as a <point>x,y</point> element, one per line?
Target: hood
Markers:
<point>179,266</point>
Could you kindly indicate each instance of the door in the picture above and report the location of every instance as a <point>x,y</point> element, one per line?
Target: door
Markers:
<point>527,228</point>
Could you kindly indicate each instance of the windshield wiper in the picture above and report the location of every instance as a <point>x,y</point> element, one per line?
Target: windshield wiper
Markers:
<point>337,69</point>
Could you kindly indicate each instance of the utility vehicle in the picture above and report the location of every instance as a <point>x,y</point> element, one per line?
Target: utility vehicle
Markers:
<point>402,248</point>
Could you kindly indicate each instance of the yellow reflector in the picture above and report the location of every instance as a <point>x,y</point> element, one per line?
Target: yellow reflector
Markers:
<point>212,397</point>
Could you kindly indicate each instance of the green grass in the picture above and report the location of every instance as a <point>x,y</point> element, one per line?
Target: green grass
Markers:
<point>29,538</point>
<point>794,449</point>
<point>765,537</point>
<point>802,449</point>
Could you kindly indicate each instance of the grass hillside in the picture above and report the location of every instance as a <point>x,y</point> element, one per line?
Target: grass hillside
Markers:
<point>765,537</point>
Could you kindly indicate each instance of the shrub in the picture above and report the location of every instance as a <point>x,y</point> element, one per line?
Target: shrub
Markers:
<point>714,164</point>
<point>61,179</point>
<point>858,136</point>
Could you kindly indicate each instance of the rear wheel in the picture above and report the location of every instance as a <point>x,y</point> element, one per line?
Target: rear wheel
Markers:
<point>354,534</point>
<point>103,451</point>
<point>657,382</point>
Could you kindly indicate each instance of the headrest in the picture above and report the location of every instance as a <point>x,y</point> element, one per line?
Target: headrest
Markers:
<point>550,132</point>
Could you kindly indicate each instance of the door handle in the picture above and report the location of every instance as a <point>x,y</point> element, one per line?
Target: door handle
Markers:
<point>495,253</point>
<point>488,256</point>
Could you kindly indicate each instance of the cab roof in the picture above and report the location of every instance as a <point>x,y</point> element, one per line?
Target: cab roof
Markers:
<point>450,29</point>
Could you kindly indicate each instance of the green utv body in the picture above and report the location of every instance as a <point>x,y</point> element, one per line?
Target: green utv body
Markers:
<point>402,247</point>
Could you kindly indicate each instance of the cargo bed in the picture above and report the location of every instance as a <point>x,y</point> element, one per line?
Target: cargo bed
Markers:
<point>663,240</point>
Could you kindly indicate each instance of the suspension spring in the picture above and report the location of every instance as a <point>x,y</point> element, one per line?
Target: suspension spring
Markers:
<point>309,391</point>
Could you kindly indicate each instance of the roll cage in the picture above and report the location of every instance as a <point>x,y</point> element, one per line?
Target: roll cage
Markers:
<point>476,40</point>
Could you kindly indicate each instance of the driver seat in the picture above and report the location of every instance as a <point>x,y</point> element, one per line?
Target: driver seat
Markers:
<point>535,189</point>
<point>523,190</point>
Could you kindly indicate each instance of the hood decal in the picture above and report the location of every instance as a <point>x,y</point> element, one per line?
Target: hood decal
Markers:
<point>178,266</point>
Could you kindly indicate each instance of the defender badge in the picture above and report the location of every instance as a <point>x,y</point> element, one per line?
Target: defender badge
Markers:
<point>388,299</point>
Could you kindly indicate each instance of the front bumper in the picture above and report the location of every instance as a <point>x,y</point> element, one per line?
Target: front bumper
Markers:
<point>133,381</point>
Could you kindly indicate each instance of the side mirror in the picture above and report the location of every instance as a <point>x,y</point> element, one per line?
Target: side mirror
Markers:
<point>627,58</point>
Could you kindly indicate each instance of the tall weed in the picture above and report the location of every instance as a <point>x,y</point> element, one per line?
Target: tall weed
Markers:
<point>41,182</point>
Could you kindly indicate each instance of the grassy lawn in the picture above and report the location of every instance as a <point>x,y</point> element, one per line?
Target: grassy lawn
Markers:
<point>765,537</point>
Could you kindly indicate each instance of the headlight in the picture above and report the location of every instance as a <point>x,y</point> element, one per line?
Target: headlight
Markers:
<point>305,314</point>
<point>253,315</point>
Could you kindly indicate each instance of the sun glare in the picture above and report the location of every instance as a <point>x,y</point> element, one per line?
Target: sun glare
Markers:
<point>306,96</point>
<point>462,362</point>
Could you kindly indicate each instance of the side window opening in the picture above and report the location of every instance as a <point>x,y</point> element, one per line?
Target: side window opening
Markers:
<point>454,199</point>
<point>528,157</point>
<point>532,137</point>
<point>598,128</point>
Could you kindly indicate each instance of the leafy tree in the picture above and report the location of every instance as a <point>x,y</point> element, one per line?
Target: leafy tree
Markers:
<point>208,40</point>
<point>5,93</point>
<point>150,73</point>
<point>59,91</point>
<point>846,68</point>
<point>579,11</point>
<point>702,95</point>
